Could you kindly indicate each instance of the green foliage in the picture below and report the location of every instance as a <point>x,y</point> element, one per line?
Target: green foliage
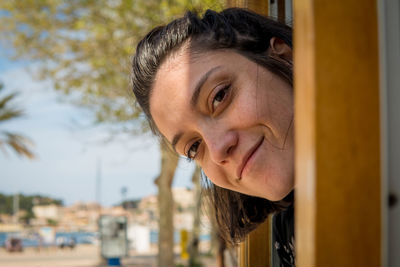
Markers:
<point>18,143</point>
<point>25,203</point>
<point>27,217</point>
<point>179,208</point>
<point>86,45</point>
<point>195,264</point>
<point>6,204</point>
<point>6,112</point>
<point>52,222</point>
<point>130,204</point>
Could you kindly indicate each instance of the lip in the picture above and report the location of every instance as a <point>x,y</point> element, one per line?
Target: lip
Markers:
<point>246,158</point>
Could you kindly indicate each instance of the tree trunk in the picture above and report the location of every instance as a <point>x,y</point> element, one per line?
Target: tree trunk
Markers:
<point>169,162</point>
<point>218,244</point>
<point>194,243</point>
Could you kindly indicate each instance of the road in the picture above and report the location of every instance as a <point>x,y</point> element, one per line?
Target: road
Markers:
<point>81,256</point>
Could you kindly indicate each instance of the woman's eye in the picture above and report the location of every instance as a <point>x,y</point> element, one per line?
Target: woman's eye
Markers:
<point>193,149</point>
<point>219,97</point>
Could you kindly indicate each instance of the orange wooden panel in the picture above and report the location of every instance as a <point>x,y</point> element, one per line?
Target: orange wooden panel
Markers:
<point>255,251</point>
<point>338,185</point>
<point>243,252</point>
<point>259,246</point>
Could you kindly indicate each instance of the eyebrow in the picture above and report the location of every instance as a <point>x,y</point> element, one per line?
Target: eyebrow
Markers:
<point>175,140</point>
<point>193,101</point>
<point>199,85</point>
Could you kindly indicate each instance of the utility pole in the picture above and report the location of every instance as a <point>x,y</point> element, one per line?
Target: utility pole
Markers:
<point>15,207</point>
<point>98,200</point>
<point>124,191</point>
<point>98,182</point>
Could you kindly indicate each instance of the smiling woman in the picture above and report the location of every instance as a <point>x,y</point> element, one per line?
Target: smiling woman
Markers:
<point>219,90</point>
<point>238,116</point>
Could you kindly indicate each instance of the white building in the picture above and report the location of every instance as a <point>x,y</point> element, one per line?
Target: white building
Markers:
<point>52,211</point>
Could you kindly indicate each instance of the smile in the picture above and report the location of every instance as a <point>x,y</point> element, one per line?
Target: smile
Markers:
<point>247,157</point>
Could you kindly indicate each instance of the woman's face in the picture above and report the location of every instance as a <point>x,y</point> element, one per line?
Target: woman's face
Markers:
<point>230,115</point>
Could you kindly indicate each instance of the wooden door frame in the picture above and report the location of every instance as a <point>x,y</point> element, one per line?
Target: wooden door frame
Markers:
<point>338,134</point>
<point>337,106</point>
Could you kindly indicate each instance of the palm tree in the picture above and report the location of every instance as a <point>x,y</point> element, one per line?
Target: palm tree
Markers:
<point>18,143</point>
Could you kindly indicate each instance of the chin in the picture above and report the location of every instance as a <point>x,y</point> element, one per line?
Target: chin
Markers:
<point>279,193</point>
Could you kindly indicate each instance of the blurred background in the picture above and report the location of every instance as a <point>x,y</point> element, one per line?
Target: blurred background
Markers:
<point>81,177</point>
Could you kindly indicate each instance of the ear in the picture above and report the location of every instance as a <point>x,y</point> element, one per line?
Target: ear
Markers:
<point>280,48</point>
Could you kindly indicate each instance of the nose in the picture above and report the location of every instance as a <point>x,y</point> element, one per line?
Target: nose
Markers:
<point>221,144</point>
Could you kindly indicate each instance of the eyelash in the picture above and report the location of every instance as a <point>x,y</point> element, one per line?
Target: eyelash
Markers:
<point>224,89</point>
<point>198,142</point>
<point>194,145</point>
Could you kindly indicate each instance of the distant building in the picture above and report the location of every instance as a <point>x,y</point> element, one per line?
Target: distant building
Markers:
<point>84,216</point>
<point>80,216</point>
<point>183,197</point>
<point>52,212</point>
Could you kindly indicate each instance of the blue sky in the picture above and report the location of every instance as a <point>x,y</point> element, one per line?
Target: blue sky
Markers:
<point>68,150</point>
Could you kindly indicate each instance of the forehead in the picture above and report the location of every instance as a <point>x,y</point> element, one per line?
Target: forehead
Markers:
<point>169,91</point>
<point>174,85</point>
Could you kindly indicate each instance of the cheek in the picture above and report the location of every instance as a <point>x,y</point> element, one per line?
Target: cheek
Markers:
<point>245,109</point>
<point>216,175</point>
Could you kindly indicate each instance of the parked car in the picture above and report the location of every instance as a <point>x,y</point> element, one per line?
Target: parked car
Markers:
<point>14,244</point>
<point>63,242</point>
